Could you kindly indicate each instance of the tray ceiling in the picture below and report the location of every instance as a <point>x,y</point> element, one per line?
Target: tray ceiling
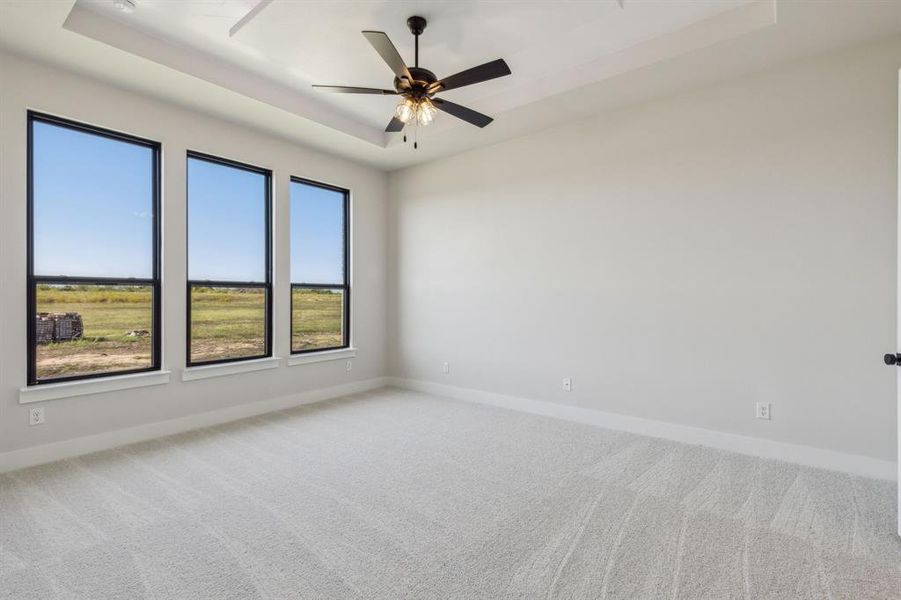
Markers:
<point>569,58</point>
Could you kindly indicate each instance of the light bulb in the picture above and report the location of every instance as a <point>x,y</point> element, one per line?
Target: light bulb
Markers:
<point>405,110</point>
<point>426,111</point>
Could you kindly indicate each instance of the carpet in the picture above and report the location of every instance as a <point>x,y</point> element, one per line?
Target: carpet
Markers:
<point>396,494</point>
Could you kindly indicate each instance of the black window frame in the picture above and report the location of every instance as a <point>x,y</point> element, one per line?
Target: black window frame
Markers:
<point>192,283</point>
<point>344,286</point>
<point>155,282</point>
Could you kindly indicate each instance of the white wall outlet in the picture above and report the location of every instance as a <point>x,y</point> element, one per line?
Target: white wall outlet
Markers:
<point>445,368</point>
<point>35,416</point>
<point>567,384</point>
<point>763,410</point>
<point>349,366</point>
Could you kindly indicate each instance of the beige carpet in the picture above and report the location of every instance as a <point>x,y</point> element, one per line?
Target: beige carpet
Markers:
<point>394,494</point>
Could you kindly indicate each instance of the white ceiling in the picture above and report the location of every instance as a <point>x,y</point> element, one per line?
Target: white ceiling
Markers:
<point>569,58</point>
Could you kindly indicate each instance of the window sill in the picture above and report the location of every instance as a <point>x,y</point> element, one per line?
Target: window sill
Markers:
<point>232,368</point>
<point>324,356</point>
<point>68,389</point>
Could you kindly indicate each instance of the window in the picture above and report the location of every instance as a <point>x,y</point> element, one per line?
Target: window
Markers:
<point>320,289</point>
<point>93,252</point>
<point>229,262</point>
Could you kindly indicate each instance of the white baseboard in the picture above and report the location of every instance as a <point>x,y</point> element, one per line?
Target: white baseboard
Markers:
<point>36,455</point>
<point>793,453</point>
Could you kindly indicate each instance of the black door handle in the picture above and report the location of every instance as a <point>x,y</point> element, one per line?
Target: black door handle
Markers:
<point>892,359</point>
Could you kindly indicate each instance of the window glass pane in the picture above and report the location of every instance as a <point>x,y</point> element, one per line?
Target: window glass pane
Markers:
<point>317,234</point>
<point>226,223</point>
<point>227,322</point>
<point>90,329</point>
<point>317,319</point>
<point>93,204</point>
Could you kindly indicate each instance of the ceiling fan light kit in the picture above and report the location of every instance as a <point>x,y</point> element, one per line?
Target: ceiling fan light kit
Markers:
<point>418,86</point>
<point>420,111</point>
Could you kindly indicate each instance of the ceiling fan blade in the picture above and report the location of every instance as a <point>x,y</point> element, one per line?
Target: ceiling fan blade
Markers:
<point>461,112</point>
<point>490,70</point>
<point>383,45</point>
<point>395,125</point>
<point>343,89</point>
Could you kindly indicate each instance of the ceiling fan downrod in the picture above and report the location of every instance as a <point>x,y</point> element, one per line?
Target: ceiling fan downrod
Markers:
<point>416,25</point>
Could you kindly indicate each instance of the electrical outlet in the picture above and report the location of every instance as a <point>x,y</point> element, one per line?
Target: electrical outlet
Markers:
<point>445,368</point>
<point>35,416</point>
<point>567,384</point>
<point>763,410</point>
<point>349,366</point>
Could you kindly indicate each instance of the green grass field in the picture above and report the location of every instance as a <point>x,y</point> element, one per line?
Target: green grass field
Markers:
<point>317,319</point>
<point>226,323</point>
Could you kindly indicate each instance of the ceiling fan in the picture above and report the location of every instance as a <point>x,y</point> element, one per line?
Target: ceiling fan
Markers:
<point>417,86</point>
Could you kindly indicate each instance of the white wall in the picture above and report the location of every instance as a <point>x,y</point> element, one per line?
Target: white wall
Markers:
<point>680,260</point>
<point>24,85</point>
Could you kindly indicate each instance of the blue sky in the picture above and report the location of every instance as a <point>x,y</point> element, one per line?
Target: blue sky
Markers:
<point>92,205</point>
<point>317,234</point>
<point>93,208</point>
<point>226,223</point>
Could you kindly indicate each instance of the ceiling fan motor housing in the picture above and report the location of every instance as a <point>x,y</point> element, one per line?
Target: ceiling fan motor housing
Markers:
<point>422,79</point>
